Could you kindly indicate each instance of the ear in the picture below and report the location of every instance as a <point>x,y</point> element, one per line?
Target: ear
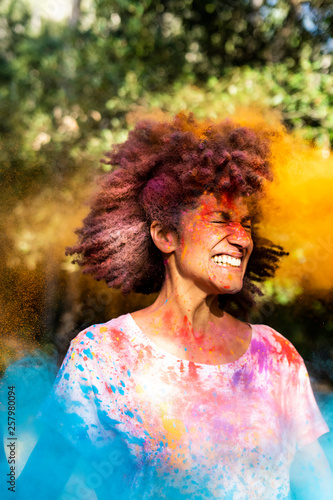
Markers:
<point>166,241</point>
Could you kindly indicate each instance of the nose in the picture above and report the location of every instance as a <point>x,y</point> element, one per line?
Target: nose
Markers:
<point>238,235</point>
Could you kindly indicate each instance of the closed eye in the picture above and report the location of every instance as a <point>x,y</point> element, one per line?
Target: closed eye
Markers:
<point>245,225</point>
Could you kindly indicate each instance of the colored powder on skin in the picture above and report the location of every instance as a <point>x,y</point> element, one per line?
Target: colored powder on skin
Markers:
<point>297,214</point>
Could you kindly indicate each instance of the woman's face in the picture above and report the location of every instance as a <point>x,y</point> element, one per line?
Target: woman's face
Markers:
<point>215,244</point>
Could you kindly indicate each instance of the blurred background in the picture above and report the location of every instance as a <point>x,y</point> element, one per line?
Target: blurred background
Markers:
<point>74,75</point>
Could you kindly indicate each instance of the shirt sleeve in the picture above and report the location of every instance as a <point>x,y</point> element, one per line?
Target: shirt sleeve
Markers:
<point>73,412</point>
<point>71,407</point>
<point>309,423</point>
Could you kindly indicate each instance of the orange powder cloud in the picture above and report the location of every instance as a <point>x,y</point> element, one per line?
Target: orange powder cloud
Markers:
<point>298,207</point>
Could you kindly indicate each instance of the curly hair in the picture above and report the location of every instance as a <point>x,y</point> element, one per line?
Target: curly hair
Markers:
<point>163,168</point>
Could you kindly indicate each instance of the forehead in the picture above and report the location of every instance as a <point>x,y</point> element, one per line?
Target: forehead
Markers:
<point>235,207</point>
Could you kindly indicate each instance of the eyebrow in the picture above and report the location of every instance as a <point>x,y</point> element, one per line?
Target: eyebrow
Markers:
<point>227,215</point>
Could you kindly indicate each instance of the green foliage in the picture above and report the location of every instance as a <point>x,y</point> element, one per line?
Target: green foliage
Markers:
<point>66,88</point>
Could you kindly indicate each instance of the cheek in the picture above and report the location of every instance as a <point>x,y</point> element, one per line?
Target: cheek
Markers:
<point>183,247</point>
<point>192,241</point>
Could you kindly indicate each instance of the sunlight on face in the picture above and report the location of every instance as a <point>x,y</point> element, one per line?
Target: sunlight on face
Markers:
<point>215,244</point>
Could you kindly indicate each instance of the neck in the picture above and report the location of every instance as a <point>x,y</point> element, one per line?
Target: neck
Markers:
<point>185,309</point>
<point>189,323</point>
<point>198,331</point>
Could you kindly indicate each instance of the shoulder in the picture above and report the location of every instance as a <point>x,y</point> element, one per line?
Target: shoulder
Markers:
<point>113,335</point>
<point>269,341</point>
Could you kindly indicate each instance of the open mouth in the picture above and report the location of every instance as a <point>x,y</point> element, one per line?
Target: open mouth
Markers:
<point>226,260</point>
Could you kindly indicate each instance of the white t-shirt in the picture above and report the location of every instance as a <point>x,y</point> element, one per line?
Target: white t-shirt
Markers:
<point>195,431</point>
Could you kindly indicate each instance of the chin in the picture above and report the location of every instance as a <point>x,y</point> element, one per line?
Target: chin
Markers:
<point>229,288</point>
<point>223,287</point>
<point>229,283</point>
<point>231,291</point>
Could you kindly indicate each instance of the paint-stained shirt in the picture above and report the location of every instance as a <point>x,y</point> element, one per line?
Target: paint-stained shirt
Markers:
<point>194,431</point>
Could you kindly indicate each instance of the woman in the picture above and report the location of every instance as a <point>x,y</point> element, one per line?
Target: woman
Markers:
<point>196,403</point>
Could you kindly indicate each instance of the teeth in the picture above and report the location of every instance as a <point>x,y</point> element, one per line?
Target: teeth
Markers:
<point>226,260</point>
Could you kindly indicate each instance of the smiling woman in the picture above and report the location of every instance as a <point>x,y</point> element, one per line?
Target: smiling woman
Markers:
<point>198,403</point>
<point>221,232</point>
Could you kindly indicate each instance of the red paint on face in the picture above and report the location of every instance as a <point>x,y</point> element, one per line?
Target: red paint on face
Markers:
<point>228,201</point>
<point>208,204</point>
<point>215,228</point>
